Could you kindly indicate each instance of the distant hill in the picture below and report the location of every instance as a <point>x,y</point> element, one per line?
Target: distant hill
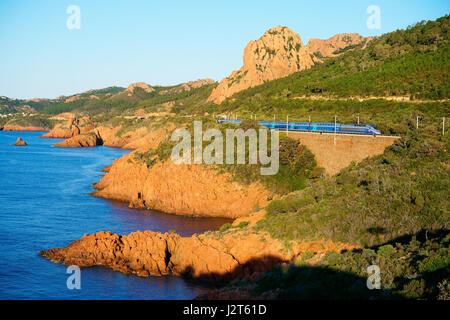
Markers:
<point>137,95</point>
<point>413,63</point>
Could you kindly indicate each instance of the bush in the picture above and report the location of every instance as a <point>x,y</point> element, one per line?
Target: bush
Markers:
<point>386,251</point>
<point>225,227</point>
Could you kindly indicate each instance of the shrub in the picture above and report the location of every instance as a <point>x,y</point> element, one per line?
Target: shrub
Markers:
<point>225,227</point>
<point>386,250</point>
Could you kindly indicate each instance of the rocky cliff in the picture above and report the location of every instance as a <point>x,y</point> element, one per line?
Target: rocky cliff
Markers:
<point>181,189</point>
<point>81,141</point>
<point>73,127</point>
<point>278,53</point>
<point>334,46</point>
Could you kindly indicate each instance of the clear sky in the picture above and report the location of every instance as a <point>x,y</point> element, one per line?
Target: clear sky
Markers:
<point>165,42</point>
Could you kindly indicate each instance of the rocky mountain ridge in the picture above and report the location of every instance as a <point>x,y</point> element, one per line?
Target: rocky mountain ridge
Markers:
<point>277,54</point>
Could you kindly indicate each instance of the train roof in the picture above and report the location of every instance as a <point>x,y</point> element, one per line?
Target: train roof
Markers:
<point>305,123</point>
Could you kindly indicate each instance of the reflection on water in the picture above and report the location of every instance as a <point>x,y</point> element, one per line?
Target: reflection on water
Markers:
<point>162,222</point>
<point>45,204</point>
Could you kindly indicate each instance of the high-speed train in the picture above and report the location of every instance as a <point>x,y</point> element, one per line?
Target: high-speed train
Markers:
<point>314,126</point>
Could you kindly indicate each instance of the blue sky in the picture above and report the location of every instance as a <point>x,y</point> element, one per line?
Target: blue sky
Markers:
<point>164,42</point>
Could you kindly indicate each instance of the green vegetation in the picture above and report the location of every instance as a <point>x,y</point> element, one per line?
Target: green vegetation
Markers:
<point>405,62</point>
<point>403,191</point>
<point>115,101</point>
<point>412,268</point>
<point>297,165</point>
<point>29,121</point>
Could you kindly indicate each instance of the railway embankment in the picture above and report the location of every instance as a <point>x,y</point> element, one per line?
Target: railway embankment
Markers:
<point>335,152</point>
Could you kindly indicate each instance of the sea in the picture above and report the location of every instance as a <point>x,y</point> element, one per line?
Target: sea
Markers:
<point>45,203</point>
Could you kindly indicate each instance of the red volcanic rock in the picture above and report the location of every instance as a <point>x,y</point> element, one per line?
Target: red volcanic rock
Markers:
<point>278,53</point>
<point>14,127</point>
<point>152,253</point>
<point>80,141</point>
<point>335,45</point>
<point>212,257</point>
<point>179,189</point>
<point>73,127</point>
<point>19,142</point>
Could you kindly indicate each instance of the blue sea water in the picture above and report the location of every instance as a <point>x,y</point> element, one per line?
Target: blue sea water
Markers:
<point>44,203</point>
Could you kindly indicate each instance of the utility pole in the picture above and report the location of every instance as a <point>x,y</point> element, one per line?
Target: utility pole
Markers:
<point>358,119</point>
<point>334,129</point>
<point>443,125</point>
<point>417,122</point>
<point>287,125</point>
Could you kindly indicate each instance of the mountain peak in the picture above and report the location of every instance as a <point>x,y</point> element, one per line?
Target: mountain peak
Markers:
<point>141,85</point>
<point>278,53</point>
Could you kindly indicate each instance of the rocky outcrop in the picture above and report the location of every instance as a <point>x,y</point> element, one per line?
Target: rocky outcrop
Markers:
<point>15,127</point>
<point>212,257</point>
<point>19,142</point>
<point>61,132</point>
<point>278,53</point>
<point>73,127</point>
<point>191,190</point>
<point>141,138</point>
<point>196,84</point>
<point>81,140</point>
<point>333,46</point>
<point>151,253</point>
<point>141,85</point>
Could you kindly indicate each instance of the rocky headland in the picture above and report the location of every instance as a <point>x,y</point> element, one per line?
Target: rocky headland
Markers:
<point>212,257</point>
<point>192,190</point>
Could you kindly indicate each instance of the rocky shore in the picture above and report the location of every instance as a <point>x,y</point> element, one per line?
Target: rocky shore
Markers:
<point>14,127</point>
<point>210,257</point>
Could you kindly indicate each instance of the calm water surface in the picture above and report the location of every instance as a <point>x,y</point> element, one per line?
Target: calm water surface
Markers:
<point>44,203</point>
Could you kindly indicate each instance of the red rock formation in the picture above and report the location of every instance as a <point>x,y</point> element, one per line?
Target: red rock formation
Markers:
<point>179,189</point>
<point>14,127</point>
<point>79,141</point>
<point>141,85</point>
<point>73,127</point>
<point>203,257</point>
<point>19,142</point>
<point>278,53</point>
<point>333,46</point>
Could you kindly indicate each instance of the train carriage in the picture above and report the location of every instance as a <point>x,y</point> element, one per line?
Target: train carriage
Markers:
<point>315,126</point>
